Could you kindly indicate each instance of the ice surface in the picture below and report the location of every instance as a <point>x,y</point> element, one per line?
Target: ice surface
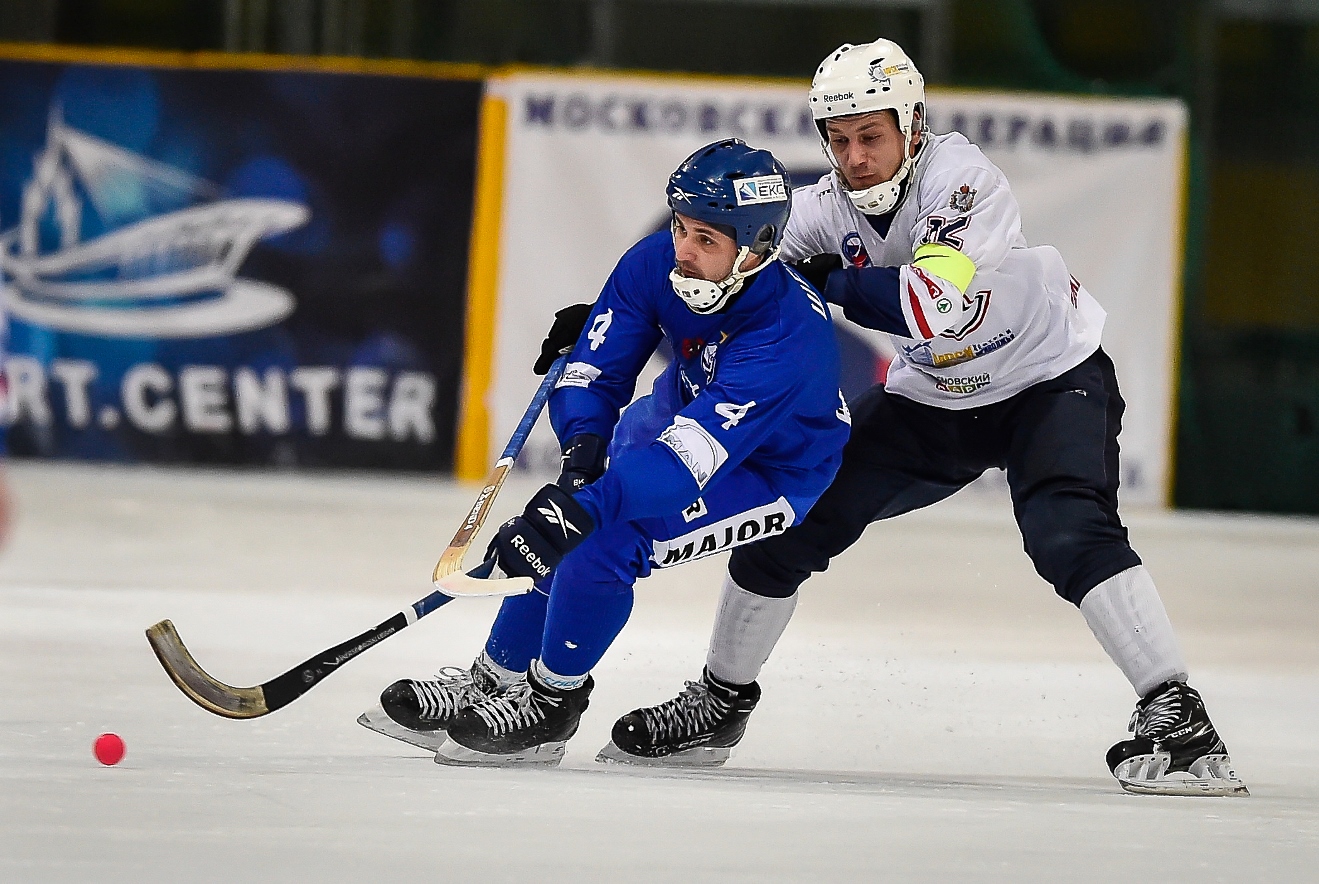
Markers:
<point>926,717</point>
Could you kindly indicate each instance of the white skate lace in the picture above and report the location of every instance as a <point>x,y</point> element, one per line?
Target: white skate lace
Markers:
<point>1159,716</point>
<point>452,689</point>
<point>692,711</point>
<point>518,707</point>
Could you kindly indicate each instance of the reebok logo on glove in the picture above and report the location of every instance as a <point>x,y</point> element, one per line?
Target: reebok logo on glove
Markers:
<point>555,516</point>
<point>533,544</point>
<point>529,555</point>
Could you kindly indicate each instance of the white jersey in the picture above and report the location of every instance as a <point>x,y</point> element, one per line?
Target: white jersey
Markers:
<point>1024,318</point>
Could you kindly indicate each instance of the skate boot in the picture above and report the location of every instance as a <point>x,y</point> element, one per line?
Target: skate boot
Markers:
<point>529,724</point>
<point>1176,750</point>
<point>698,728</point>
<point>418,711</point>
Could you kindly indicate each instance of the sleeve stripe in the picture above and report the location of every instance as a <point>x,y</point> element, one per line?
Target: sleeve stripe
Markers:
<point>917,313</point>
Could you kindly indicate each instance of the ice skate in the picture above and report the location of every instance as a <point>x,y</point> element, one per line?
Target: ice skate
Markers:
<point>1176,750</point>
<point>529,724</point>
<point>418,711</point>
<point>698,728</point>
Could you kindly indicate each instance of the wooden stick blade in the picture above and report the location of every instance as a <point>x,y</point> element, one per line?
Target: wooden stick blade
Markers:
<point>464,586</point>
<point>208,693</point>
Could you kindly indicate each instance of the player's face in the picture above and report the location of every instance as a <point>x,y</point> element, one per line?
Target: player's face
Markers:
<point>867,147</point>
<point>703,252</point>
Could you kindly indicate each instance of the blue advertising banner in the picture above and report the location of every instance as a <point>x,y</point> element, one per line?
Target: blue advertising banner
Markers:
<point>235,266</point>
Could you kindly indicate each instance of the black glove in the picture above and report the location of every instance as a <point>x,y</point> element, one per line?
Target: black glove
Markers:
<point>816,270</point>
<point>583,462</point>
<point>567,328</point>
<point>533,544</point>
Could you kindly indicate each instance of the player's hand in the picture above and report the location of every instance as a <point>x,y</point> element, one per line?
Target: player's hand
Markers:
<point>583,462</point>
<point>567,328</point>
<point>533,544</point>
<point>816,270</point>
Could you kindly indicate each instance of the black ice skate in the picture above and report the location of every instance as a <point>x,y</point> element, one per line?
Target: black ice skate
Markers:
<point>528,724</point>
<point>418,711</point>
<point>697,728</point>
<point>1176,750</point>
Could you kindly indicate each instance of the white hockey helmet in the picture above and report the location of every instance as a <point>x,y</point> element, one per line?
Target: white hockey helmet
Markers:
<point>858,80</point>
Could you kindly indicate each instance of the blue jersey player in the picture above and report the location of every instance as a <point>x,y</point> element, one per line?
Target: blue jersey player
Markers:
<point>741,434</point>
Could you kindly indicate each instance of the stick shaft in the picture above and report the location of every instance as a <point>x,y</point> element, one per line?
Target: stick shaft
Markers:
<point>451,561</point>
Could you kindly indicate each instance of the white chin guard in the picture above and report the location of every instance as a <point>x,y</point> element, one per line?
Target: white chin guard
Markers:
<point>703,296</point>
<point>882,197</point>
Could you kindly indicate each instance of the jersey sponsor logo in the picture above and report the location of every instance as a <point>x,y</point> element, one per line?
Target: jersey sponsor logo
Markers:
<point>598,328</point>
<point>975,307</point>
<point>695,511</point>
<point>699,451</point>
<point>578,374</point>
<point>923,354</point>
<point>854,250</point>
<point>761,189</point>
<point>734,413</point>
<point>963,198</point>
<point>962,386</point>
<point>755,524</point>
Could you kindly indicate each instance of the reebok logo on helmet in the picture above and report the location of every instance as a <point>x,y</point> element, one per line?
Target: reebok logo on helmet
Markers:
<point>838,96</point>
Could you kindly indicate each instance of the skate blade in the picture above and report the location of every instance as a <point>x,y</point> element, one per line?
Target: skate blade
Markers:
<point>376,719</point>
<point>1210,776</point>
<point>544,755</point>
<point>701,756</point>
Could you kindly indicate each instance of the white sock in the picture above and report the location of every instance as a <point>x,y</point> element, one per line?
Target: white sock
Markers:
<point>554,680</point>
<point>746,628</point>
<point>1127,616</point>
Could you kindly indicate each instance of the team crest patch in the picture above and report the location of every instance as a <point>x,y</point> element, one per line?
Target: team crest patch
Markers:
<point>761,189</point>
<point>708,356</point>
<point>854,251</point>
<point>963,198</point>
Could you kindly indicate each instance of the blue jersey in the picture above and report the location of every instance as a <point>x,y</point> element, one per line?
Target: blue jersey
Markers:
<point>758,385</point>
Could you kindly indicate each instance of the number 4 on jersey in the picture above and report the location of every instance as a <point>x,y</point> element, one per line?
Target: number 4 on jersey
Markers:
<point>598,328</point>
<point>734,413</point>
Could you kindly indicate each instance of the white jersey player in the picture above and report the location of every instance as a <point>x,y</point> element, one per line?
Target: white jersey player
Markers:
<point>998,364</point>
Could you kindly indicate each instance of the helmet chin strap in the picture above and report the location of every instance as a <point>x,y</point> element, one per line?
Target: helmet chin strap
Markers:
<point>882,197</point>
<point>703,296</point>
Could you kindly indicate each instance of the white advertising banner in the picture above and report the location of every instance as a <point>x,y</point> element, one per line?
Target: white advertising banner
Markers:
<point>587,159</point>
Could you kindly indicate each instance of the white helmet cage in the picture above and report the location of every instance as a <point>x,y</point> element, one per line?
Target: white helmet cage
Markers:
<point>860,80</point>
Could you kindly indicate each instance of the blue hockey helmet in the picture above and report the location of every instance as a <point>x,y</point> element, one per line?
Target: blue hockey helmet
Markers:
<point>743,191</point>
